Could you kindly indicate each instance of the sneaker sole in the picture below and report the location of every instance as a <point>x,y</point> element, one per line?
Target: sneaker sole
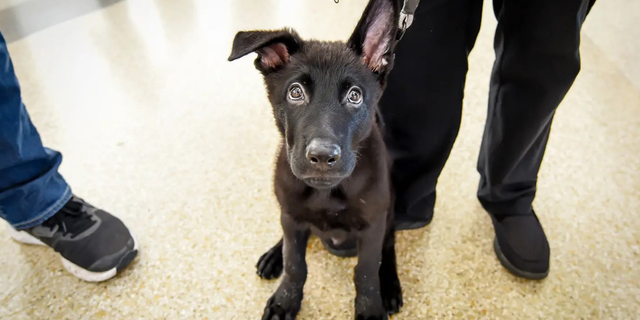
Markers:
<point>79,272</point>
<point>515,271</point>
<point>411,225</point>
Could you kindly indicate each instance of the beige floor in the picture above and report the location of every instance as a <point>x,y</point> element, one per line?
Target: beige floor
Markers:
<point>158,128</point>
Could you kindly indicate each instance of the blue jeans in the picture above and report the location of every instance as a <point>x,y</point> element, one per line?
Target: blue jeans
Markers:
<point>31,189</point>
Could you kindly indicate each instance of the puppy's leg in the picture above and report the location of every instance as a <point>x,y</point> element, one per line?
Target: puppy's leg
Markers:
<point>369,304</point>
<point>270,264</point>
<point>389,283</point>
<point>285,302</point>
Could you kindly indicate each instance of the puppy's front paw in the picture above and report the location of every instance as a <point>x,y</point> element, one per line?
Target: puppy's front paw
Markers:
<point>391,292</point>
<point>277,309</point>
<point>381,316</point>
<point>370,308</point>
<point>270,264</point>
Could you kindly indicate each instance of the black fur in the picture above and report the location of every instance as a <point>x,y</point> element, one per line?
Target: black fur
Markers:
<point>332,171</point>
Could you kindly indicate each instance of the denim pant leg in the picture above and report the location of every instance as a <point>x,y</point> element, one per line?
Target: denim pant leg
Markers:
<point>31,189</point>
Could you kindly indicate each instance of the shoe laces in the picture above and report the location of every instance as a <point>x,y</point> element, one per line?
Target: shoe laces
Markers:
<point>71,219</point>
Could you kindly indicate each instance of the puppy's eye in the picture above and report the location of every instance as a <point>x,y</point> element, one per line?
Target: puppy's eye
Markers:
<point>295,92</point>
<point>354,96</point>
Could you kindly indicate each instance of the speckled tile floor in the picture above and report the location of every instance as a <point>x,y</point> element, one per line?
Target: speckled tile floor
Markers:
<point>158,128</point>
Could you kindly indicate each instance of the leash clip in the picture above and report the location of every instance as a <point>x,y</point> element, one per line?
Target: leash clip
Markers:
<point>402,27</point>
<point>406,19</point>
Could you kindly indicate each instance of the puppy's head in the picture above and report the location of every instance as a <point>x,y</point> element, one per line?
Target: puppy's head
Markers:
<point>325,94</point>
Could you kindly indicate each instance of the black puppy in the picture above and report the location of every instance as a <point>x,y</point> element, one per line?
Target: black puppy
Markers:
<point>332,171</point>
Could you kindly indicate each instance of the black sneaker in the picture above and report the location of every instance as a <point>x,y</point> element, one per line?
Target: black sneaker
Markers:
<point>349,248</point>
<point>93,245</point>
<point>346,249</point>
<point>522,246</point>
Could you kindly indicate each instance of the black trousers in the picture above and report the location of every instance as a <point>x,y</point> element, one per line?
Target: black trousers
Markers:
<point>537,60</point>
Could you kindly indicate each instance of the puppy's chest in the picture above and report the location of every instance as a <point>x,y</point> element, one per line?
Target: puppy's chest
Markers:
<point>326,211</point>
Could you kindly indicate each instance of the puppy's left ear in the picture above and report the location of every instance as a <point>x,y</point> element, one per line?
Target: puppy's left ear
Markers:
<point>274,47</point>
<point>374,36</point>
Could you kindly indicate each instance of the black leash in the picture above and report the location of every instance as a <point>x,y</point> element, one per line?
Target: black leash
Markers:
<point>406,19</point>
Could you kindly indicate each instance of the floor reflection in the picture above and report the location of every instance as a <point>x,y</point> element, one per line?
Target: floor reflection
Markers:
<point>31,16</point>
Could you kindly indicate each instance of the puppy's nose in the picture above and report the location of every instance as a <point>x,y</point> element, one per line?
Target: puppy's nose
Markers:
<point>322,153</point>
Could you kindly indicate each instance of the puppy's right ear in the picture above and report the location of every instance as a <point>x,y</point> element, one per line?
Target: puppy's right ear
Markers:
<point>274,48</point>
<point>374,36</point>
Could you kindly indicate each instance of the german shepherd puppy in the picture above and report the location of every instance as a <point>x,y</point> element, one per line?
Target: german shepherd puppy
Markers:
<point>332,171</point>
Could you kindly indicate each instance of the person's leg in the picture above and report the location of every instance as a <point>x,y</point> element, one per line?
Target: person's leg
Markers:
<point>37,202</point>
<point>537,60</point>
<point>422,104</point>
<point>31,189</point>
